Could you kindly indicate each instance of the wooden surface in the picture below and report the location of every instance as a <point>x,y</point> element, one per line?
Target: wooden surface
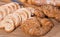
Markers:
<point>55,32</point>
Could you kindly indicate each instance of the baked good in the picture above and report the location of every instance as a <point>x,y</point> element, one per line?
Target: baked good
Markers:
<point>41,2</point>
<point>51,11</point>
<point>36,26</point>
<point>7,9</point>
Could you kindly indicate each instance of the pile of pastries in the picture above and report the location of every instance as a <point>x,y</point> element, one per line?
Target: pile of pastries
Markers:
<point>32,19</point>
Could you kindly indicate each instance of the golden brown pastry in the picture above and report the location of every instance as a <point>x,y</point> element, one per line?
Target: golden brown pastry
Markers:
<point>8,25</point>
<point>36,11</point>
<point>36,26</point>
<point>46,10</point>
<point>41,2</point>
<point>7,9</point>
<point>51,11</point>
<point>18,17</point>
<point>11,21</point>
